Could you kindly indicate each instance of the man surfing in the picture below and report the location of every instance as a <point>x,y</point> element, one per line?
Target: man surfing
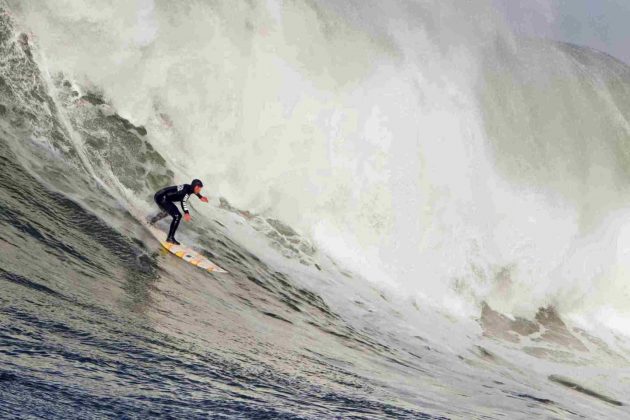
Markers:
<point>166,199</point>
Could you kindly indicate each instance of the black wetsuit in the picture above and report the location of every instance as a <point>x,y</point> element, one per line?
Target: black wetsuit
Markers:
<point>165,199</point>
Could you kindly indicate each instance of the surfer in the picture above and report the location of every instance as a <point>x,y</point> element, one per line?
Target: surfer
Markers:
<point>165,199</point>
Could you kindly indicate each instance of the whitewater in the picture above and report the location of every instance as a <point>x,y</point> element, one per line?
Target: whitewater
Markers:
<point>422,214</point>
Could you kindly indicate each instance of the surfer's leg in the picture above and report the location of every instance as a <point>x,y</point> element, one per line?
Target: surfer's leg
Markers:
<point>161,215</point>
<point>160,200</point>
<point>176,215</point>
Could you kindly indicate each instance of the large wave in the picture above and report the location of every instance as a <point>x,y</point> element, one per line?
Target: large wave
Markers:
<point>455,166</point>
<point>469,178</point>
<point>419,143</point>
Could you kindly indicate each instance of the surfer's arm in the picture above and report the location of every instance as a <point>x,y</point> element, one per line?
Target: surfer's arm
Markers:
<point>185,204</point>
<point>185,208</point>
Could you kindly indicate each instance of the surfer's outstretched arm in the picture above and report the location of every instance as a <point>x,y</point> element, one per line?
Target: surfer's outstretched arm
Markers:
<point>185,208</point>
<point>184,203</point>
<point>187,216</point>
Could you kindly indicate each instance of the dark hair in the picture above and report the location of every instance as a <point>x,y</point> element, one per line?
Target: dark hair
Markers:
<point>196,182</point>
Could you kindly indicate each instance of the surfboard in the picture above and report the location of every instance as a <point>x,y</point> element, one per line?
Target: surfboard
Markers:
<point>193,257</point>
<point>186,253</point>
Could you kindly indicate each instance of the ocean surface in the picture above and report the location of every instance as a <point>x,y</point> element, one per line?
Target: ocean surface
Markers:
<point>419,220</point>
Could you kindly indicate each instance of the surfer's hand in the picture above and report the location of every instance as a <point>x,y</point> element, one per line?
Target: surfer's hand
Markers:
<point>187,217</point>
<point>204,199</point>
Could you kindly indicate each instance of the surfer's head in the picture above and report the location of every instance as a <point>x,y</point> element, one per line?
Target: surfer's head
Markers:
<point>196,185</point>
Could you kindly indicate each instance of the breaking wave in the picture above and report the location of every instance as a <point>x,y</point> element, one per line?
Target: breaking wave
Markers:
<point>412,204</point>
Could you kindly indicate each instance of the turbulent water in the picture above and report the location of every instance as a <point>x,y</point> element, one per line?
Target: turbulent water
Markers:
<point>422,216</point>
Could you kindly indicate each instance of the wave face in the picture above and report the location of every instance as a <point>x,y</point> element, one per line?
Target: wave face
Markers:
<point>422,216</point>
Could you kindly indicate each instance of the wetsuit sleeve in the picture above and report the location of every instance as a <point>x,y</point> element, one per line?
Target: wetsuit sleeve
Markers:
<point>185,204</point>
